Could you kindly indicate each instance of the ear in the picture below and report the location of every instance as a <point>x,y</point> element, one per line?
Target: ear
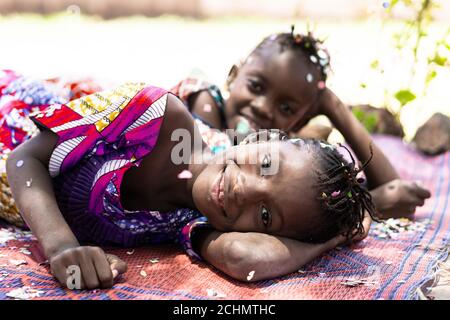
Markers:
<point>232,74</point>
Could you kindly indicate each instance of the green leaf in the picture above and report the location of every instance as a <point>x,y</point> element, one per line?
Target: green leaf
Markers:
<point>363,85</point>
<point>374,64</point>
<point>439,60</point>
<point>430,76</point>
<point>370,122</point>
<point>358,113</point>
<point>405,96</point>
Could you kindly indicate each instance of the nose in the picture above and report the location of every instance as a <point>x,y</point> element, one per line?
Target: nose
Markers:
<point>261,108</point>
<point>247,190</point>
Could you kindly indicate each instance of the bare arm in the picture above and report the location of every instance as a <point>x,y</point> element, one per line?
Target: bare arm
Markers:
<point>392,196</point>
<point>380,170</point>
<point>38,206</point>
<point>238,254</point>
<point>37,203</point>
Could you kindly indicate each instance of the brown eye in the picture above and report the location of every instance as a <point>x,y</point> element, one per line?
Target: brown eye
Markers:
<point>286,109</point>
<point>254,86</point>
<point>266,217</point>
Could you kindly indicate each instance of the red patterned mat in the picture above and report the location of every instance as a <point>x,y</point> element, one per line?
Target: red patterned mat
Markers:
<point>376,268</point>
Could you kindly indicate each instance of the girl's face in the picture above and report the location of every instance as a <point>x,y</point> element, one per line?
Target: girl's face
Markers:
<point>265,187</point>
<point>271,91</point>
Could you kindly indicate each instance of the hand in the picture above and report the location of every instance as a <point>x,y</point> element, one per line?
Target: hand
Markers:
<point>399,198</point>
<point>365,231</point>
<point>98,269</point>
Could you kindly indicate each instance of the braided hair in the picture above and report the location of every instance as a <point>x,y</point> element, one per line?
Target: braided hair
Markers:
<point>304,44</point>
<point>341,193</point>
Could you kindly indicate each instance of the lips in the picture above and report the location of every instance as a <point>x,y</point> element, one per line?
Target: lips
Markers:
<point>221,194</point>
<point>217,190</point>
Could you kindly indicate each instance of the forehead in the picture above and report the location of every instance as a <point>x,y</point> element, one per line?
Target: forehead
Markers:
<point>285,70</point>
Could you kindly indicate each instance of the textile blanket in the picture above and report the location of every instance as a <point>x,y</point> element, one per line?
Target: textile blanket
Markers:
<point>397,258</point>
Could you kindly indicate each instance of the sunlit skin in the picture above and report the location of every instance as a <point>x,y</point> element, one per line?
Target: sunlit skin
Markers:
<point>282,204</point>
<point>270,91</point>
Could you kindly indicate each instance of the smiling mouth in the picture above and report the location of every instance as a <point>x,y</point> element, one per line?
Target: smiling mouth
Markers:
<point>252,121</point>
<point>217,191</point>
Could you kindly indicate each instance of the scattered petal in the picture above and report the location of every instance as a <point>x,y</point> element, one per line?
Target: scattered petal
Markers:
<point>334,194</point>
<point>309,78</point>
<point>352,282</point>
<point>214,294</point>
<point>143,273</point>
<point>185,174</point>
<point>130,252</point>
<point>24,293</point>
<point>29,182</point>
<point>154,260</point>
<point>25,251</point>
<point>18,262</point>
<point>321,85</point>
<point>207,107</point>
<point>250,275</point>
<point>19,163</point>
<point>313,59</point>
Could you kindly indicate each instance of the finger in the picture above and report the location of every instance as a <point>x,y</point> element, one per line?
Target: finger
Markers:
<point>415,188</point>
<point>104,272</point>
<point>411,210</point>
<point>421,191</point>
<point>89,275</point>
<point>117,265</point>
<point>58,270</point>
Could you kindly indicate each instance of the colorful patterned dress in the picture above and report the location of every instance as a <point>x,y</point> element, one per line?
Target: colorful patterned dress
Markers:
<point>101,136</point>
<point>19,97</point>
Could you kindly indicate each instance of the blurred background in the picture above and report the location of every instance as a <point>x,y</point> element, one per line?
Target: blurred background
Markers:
<point>388,54</point>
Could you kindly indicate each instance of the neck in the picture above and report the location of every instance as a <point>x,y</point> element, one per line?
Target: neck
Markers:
<point>198,161</point>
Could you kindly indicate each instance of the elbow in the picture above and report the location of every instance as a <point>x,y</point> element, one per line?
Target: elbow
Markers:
<point>241,262</point>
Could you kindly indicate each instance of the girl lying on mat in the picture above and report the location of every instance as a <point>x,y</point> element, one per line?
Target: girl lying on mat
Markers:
<point>282,84</point>
<point>116,169</point>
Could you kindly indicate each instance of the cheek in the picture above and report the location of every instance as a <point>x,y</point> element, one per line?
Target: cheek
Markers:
<point>282,122</point>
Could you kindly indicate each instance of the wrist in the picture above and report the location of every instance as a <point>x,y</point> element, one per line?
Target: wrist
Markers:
<point>55,247</point>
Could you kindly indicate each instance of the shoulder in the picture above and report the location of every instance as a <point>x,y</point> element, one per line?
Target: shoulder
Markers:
<point>176,116</point>
<point>205,106</point>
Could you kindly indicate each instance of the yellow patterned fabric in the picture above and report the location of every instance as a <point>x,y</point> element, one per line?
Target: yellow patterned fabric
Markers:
<point>8,209</point>
<point>99,102</point>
